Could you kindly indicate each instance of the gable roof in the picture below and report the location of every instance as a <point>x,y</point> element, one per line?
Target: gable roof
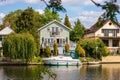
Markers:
<point>95,28</point>
<point>54,21</point>
<point>5,31</point>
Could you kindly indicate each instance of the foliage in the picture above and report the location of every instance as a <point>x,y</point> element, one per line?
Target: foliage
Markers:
<point>26,21</point>
<point>55,49</point>
<point>106,51</point>
<point>19,46</point>
<point>78,31</point>
<point>48,16</point>
<point>111,10</point>
<point>93,47</point>
<point>55,6</point>
<point>48,51</point>
<point>11,18</point>
<point>30,73</point>
<point>67,47</point>
<point>29,20</point>
<point>37,59</point>
<point>67,22</point>
<point>80,50</point>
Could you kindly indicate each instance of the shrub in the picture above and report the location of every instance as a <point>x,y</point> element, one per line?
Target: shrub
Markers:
<point>55,49</point>
<point>80,50</point>
<point>94,48</point>
<point>47,51</point>
<point>67,48</point>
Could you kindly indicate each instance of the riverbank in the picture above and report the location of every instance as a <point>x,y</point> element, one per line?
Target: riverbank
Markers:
<point>105,60</point>
<point>20,63</point>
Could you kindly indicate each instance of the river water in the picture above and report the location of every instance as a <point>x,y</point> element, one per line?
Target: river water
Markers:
<point>84,72</point>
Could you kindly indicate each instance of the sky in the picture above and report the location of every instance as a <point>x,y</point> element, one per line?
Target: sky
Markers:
<point>84,10</point>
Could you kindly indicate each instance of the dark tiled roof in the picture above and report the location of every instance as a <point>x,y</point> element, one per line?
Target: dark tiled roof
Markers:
<point>95,27</point>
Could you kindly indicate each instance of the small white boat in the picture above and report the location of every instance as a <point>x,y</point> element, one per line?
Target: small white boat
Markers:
<point>61,61</point>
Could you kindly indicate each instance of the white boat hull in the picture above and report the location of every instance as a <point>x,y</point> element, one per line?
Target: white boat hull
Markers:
<point>61,61</point>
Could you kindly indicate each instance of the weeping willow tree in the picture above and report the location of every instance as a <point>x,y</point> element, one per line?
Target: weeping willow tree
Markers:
<point>111,10</point>
<point>19,46</point>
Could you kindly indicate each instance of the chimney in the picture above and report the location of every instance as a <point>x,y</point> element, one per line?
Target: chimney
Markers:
<point>100,19</point>
<point>7,24</point>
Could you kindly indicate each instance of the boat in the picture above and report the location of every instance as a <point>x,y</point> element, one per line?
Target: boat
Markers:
<point>61,61</point>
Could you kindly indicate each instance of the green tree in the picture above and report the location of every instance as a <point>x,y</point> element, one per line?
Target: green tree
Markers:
<point>67,22</point>
<point>19,46</point>
<point>94,48</point>
<point>11,18</point>
<point>49,16</point>
<point>55,6</point>
<point>28,21</point>
<point>111,10</point>
<point>78,31</point>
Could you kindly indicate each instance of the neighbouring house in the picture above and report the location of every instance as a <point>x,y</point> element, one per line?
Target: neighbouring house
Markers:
<point>54,31</point>
<point>4,32</point>
<point>108,32</point>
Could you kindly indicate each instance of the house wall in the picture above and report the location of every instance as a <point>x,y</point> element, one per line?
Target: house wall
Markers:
<point>47,31</point>
<point>90,35</point>
<point>107,26</point>
<point>110,36</point>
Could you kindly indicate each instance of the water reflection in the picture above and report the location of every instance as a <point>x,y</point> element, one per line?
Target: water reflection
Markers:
<point>90,72</point>
<point>27,73</point>
<point>100,72</point>
<point>66,73</point>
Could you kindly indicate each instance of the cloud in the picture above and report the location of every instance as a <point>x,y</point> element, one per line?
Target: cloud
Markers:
<point>32,1</point>
<point>40,11</point>
<point>80,2</point>
<point>87,18</point>
<point>2,15</point>
<point>4,2</point>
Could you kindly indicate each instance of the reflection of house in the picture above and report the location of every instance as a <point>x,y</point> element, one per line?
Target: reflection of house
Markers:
<point>54,31</point>
<point>108,32</point>
<point>4,32</point>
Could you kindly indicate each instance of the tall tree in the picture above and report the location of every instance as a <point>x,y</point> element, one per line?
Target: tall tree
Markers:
<point>67,22</point>
<point>11,18</point>
<point>78,31</point>
<point>54,5</point>
<point>49,16</point>
<point>111,10</point>
<point>28,21</point>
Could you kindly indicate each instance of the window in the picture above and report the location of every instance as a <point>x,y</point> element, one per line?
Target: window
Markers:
<point>67,39</point>
<point>115,43</point>
<point>114,32</point>
<point>55,31</point>
<point>106,42</point>
<point>48,29</point>
<point>42,39</point>
<point>63,41</point>
<point>48,41</point>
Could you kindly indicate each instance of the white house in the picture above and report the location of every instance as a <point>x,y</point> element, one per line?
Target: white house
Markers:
<point>108,32</point>
<point>4,32</point>
<point>54,31</point>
